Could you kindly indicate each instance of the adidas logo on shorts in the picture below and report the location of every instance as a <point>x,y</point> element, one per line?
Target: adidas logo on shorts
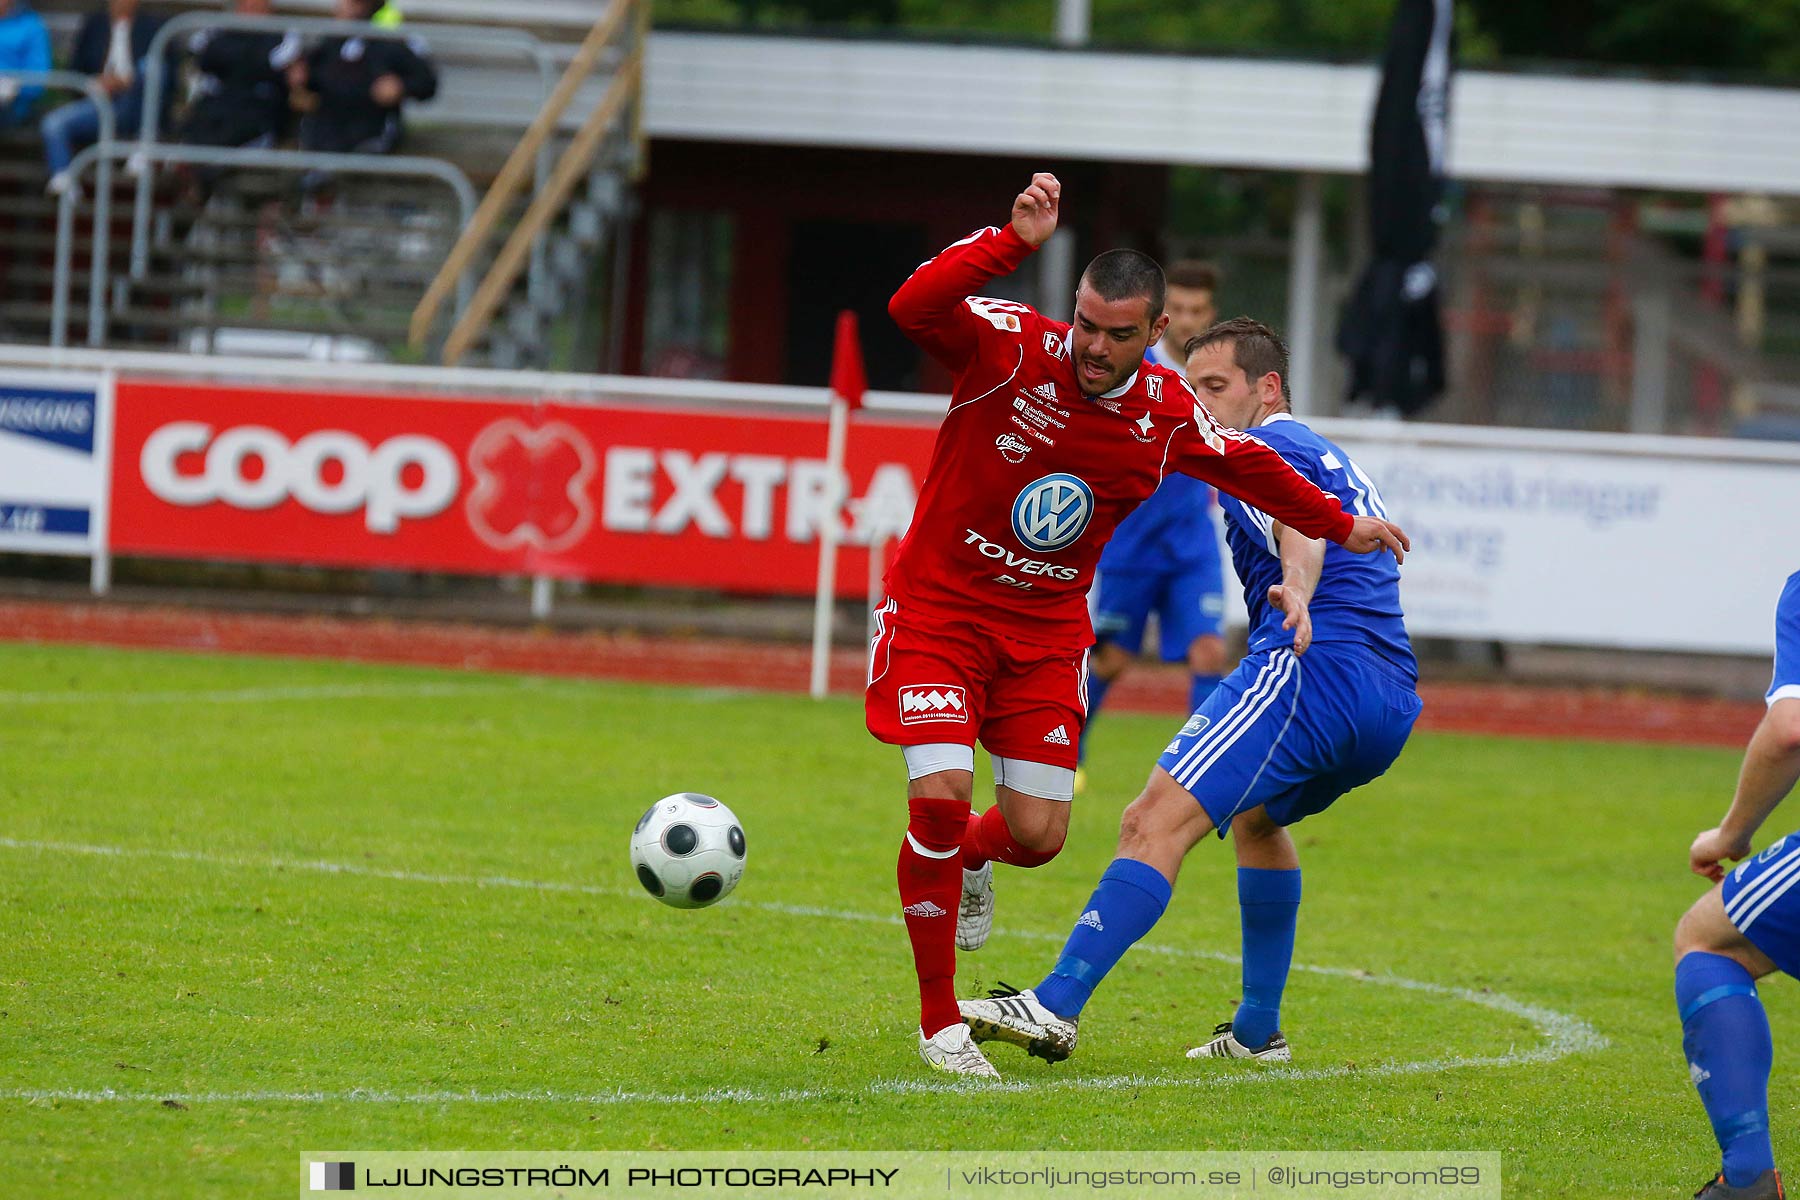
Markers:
<point>1058,736</point>
<point>924,908</point>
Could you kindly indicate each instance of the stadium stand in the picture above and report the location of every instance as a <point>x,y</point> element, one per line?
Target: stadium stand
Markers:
<point>259,268</point>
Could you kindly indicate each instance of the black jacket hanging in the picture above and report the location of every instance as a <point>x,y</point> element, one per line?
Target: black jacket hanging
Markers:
<point>1391,332</point>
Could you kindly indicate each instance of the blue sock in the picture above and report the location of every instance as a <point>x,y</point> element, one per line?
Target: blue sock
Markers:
<point>1268,909</point>
<point>1096,689</point>
<point>1200,688</point>
<point>1130,898</point>
<point>1725,1035</point>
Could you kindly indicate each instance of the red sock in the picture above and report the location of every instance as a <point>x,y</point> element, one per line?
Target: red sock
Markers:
<point>988,837</point>
<point>930,873</point>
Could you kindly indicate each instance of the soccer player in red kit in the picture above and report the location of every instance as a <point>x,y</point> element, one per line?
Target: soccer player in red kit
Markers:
<point>1055,432</point>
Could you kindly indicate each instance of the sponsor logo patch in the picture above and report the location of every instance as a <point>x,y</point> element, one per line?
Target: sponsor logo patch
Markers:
<point>1209,429</point>
<point>1053,512</point>
<point>1037,416</point>
<point>1001,314</point>
<point>1032,432</point>
<point>1194,725</point>
<point>1012,447</point>
<point>928,702</point>
<point>1024,565</point>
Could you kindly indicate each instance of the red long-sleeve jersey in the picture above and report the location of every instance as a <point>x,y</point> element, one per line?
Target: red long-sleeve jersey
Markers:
<point>1029,477</point>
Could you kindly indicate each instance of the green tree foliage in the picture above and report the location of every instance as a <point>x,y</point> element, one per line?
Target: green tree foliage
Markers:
<point>1751,36</point>
<point>1761,36</point>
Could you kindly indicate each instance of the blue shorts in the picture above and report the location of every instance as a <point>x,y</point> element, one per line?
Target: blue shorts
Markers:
<point>1762,902</point>
<point>1293,732</point>
<point>1189,604</point>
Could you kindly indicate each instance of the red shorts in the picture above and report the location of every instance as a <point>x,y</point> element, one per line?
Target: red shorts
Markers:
<point>948,681</point>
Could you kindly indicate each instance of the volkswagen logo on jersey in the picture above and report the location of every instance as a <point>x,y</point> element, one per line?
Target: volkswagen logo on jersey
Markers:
<point>1052,512</point>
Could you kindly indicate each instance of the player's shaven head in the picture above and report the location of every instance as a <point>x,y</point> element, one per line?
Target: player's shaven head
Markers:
<point>1255,349</point>
<point>1126,275</point>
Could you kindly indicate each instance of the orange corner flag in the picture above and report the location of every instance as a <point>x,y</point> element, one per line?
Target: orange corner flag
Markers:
<point>848,379</point>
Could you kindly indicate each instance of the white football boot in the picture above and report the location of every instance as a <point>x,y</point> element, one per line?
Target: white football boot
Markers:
<point>1225,1045</point>
<point>1008,1015</point>
<point>953,1050</point>
<point>975,916</point>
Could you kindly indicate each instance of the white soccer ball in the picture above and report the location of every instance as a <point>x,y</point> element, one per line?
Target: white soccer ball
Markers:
<point>688,850</point>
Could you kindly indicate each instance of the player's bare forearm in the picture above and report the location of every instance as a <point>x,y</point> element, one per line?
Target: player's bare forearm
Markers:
<point>1771,768</point>
<point>1302,560</point>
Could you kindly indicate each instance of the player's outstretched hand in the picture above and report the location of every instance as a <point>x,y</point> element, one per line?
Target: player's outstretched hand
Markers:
<point>1714,848</point>
<point>1293,602</point>
<point>1373,533</point>
<point>1035,209</point>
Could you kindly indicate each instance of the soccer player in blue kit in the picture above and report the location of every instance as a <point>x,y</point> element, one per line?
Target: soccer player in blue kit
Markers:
<point>1743,929</point>
<point>1165,556</point>
<point>1322,703</point>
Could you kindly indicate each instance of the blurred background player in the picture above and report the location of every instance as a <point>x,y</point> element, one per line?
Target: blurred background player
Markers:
<point>1323,703</point>
<point>1164,558</point>
<point>1054,433</point>
<point>1743,929</point>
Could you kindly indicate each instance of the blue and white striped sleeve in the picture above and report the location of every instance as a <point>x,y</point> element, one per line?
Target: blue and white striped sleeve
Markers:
<point>1786,683</point>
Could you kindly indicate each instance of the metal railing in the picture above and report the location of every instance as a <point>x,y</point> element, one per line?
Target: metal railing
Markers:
<point>156,71</point>
<point>65,214</point>
<point>291,161</point>
<point>551,197</point>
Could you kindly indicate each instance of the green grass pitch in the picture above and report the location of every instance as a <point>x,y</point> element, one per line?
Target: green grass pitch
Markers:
<point>334,900</point>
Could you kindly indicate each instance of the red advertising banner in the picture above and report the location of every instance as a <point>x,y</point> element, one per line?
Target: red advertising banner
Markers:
<point>619,494</point>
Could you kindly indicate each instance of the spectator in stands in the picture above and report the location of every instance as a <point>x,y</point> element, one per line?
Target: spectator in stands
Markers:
<point>24,46</point>
<point>112,46</point>
<point>241,95</point>
<point>352,87</point>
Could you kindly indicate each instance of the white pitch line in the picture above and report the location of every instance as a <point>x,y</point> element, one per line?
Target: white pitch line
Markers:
<point>347,691</point>
<point>1563,1033</point>
<point>317,865</point>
